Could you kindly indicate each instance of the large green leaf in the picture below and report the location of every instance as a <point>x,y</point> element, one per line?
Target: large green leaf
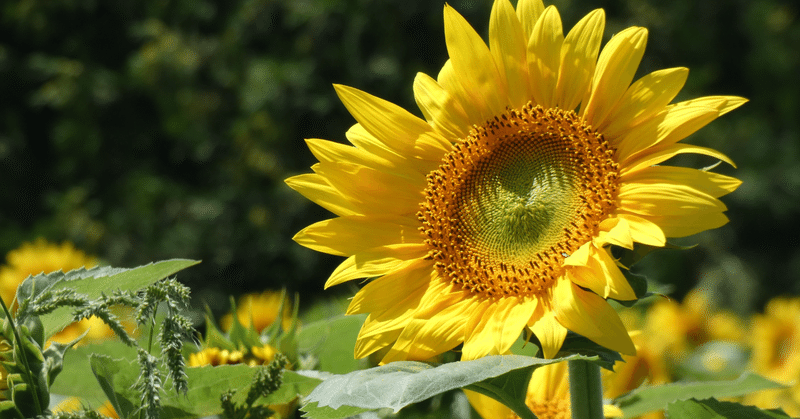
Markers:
<point>714,409</point>
<point>333,343</point>
<point>648,399</point>
<point>400,384</point>
<point>96,281</point>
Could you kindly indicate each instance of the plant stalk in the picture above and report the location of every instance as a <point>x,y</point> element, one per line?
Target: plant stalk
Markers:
<point>24,358</point>
<point>586,390</point>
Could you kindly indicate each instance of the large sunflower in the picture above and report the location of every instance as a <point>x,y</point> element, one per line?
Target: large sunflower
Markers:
<point>496,213</point>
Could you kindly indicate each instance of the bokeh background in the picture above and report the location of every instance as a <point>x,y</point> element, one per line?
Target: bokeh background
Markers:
<point>150,129</point>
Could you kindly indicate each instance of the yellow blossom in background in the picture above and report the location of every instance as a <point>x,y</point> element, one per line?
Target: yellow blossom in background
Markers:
<point>496,212</point>
<point>74,404</point>
<point>647,366</point>
<point>255,356</point>
<point>776,354</point>
<point>97,329</point>
<point>547,397</point>
<point>39,257</point>
<point>214,356</point>
<point>260,311</point>
<point>674,329</point>
<point>42,256</point>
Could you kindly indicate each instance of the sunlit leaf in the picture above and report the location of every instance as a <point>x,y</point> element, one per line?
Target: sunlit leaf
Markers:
<point>714,409</point>
<point>400,384</point>
<point>94,282</point>
<point>649,399</point>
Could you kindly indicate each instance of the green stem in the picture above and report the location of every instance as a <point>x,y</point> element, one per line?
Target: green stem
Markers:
<point>586,390</point>
<point>18,345</point>
<point>152,331</point>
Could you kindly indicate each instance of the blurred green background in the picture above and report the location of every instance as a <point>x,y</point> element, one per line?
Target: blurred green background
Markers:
<point>151,129</point>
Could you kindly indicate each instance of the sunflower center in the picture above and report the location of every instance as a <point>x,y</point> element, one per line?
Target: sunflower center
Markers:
<point>511,201</point>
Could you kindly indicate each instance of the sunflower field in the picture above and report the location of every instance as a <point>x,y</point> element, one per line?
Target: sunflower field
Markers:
<point>400,209</point>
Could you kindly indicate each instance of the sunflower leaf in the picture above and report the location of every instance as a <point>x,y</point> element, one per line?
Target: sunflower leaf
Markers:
<point>577,344</point>
<point>714,409</point>
<point>313,410</point>
<point>649,399</point>
<point>400,384</point>
<point>628,258</point>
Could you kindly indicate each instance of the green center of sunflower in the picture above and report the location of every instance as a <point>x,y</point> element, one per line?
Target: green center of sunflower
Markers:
<point>511,201</point>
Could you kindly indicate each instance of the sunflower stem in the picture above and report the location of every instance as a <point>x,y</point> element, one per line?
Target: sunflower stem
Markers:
<point>586,390</point>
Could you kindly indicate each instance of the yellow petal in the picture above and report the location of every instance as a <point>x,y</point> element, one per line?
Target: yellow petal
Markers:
<point>711,183</point>
<point>391,124</point>
<point>440,108</point>
<point>508,46</point>
<point>359,137</point>
<point>548,330</point>
<point>672,125</point>
<point>615,69</point>
<point>375,262</point>
<point>510,319</point>
<point>616,285</point>
<point>374,191</point>
<point>544,57</point>
<point>423,338</point>
<point>682,200</point>
<point>402,288</point>
<point>317,189</point>
<point>345,236</point>
<point>580,257</point>
<point>399,315</point>
<point>578,59</point>
<point>658,154</point>
<point>682,226</point>
<point>644,231</point>
<point>369,344</point>
<point>331,152</point>
<point>603,277</point>
<point>589,315</point>
<point>478,336</point>
<point>528,13</point>
<point>614,231</point>
<point>495,325</point>
<point>723,104</point>
<point>646,97</point>
<point>448,79</point>
<point>474,66</point>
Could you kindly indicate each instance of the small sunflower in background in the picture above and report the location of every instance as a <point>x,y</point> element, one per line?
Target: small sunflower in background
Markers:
<point>41,256</point>
<point>255,332</point>
<point>260,310</point>
<point>74,405</point>
<point>496,213</point>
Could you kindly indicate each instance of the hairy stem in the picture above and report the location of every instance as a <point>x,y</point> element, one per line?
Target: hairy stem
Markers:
<point>586,390</point>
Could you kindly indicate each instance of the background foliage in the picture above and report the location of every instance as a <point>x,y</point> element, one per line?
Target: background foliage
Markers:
<point>148,130</point>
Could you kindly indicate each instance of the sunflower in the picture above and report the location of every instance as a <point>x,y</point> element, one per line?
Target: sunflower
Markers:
<point>260,311</point>
<point>776,340</point>
<point>496,212</point>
